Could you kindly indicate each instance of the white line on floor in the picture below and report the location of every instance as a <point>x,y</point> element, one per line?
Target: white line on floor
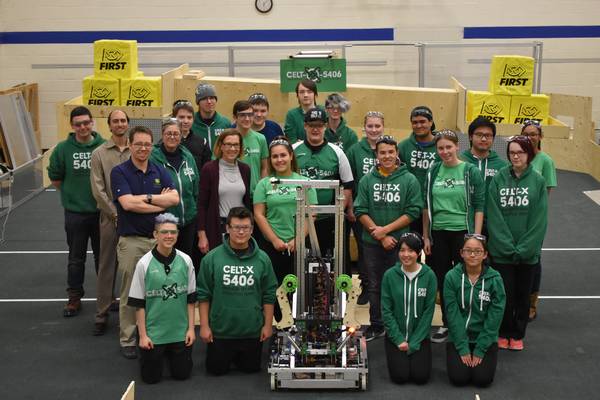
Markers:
<point>569,297</point>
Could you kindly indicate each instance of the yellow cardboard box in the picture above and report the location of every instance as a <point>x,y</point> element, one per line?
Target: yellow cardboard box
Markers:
<point>101,91</point>
<point>535,107</point>
<point>511,75</point>
<point>141,92</point>
<point>494,107</point>
<point>116,58</point>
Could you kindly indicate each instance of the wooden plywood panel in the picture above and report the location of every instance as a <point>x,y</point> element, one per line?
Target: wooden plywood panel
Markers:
<point>461,104</point>
<point>168,86</point>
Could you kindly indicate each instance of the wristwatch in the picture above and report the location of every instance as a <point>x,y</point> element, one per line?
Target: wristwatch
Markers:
<point>149,198</point>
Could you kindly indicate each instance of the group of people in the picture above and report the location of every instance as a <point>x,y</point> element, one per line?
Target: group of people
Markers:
<point>171,225</point>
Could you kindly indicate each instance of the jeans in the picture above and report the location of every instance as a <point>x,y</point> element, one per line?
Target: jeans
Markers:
<point>79,228</point>
<point>377,261</point>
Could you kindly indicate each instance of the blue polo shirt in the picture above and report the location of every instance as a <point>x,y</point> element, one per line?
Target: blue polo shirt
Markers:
<point>271,130</point>
<point>126,178</point>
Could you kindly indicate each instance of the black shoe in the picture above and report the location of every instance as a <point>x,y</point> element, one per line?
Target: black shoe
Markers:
<point>129,352</point>
<point>440,336</point>
<point>374,332</point>
<point>99,329</point>
<point>114,306</point>
<point>363,297</point>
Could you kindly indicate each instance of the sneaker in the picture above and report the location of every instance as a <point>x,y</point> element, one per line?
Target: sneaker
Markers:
<point>374,332</point>
<point>503,343</point>
<point>440,336</point>
<point>516,345</point>
<point>363,297</point>
<point>129,352</point>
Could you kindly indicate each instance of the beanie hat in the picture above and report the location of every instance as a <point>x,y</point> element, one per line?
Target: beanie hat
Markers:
<point>204,90</point>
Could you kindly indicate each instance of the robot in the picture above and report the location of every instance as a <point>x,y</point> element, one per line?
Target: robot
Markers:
<point>318,344</point>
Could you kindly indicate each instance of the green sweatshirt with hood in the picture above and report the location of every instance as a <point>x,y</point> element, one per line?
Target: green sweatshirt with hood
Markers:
<point>387,198</point>
<point>407,306</point>
<point>417,157</point>
<point>70,163</point>
<point>212,131</point>
<point>517,216</point>
<point>344,136</point>
<point>474,311</point>
<point>362,158</point>
<point>187,181</point>
<point>474,188</point>
<point>294,124</point>
<point>237,287</point>
<point>488,167</point>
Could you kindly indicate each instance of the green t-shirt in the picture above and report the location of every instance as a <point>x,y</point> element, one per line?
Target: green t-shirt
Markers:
<point>450,199</point>
<point>544,165</point>
<point>255,150</point>
<point>280,205</point>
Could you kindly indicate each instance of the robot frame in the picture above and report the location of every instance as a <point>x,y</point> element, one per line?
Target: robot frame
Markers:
<point>318,344</point>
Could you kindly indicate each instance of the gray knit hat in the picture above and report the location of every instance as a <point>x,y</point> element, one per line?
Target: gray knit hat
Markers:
<point>204,90</point>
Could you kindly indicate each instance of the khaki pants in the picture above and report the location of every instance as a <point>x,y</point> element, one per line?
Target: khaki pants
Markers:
<point>129,250</point>
<point>107,268</point>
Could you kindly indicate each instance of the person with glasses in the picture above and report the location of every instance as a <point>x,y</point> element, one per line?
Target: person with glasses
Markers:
<point>110,154</point>
<point>408,291</point>
<point>163,293</point>
<point>418,151</point>
<point>275,208</point>
<point>544,165</point>
<point>260,106</point>
<point>236,292</point>
<point>517,212</point>
<point>69,171</point>
<point>179,163</point>
<point>454,197</point>
<point>337,131</point>
<point>208,123</point>
<point>306,93</point>
<point>224,184</point>
<point>388,199</point>
<point>183,111</point>
<point>362,158</point>
<point>256,152</point>
<point>141,190</point>
<point>474,299</point>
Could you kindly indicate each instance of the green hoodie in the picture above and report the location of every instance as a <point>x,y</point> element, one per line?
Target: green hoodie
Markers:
<point>236,287</point>
<point>475,193</point>
<point>418,158</point>
<point>387,198</point>
<point>344,137</point>
<point>70,163</point>
<point>212,131</point>
<point>362,159</point>
<point>407,306</point>
<point>186,182</point>
<point>517,216</point>
<point>294,124</point>
<point>474,312</point>
<point>488,167</point>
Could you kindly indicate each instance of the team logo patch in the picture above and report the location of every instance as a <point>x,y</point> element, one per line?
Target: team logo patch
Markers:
<point>169,291</point>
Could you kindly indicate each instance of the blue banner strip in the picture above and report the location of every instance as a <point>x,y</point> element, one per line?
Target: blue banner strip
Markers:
<point>531,32</point>
<point>202,36</point>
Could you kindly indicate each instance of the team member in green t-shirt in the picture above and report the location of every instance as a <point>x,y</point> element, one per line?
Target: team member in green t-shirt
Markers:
<point>337,131</point>
<point>275,207</point>
<point>544,165</point>
<point>236,291</point>
<point>362,158</point>
<point>388,199</point>
<point>208,123</point>
<point>306,92</point>
<point>256,151</point>
<point>454,192</point>
<point>163,291</point>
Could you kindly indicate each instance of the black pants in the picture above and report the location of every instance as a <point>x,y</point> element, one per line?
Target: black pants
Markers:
<point>377,261</point>
<point>537,277</point>
<point>178,354</point>
<point>460,374</point>
<point>357,229</point>
<point>245,354</point>
<point>517,284</point>
<point>445,254</point>
<point>79,228</point>
<point>283,264</point>
<point>187,239</point>
<point>405,368</point>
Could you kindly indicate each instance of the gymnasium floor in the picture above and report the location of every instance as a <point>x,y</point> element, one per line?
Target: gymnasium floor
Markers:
<point>44,355</point>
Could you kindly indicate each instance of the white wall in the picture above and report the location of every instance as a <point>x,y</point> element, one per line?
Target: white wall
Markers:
<point>54,66</point>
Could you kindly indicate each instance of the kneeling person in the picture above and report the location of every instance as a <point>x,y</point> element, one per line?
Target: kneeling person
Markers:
<point>163,291</point>
<point>236,291</point>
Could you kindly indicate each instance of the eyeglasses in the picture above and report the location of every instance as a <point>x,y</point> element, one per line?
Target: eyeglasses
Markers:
<point>477,236</point>
<point>519,153</point>
<point>472,252</point>
<point>168,231</point>
<point>139,145</point>
<point>82,123</point>
<point>231,145</point>
<point>173,135</point>
<point>374,114</point>
<point>486,136</point>
<point>240,228</point>
<point>245,115</point>
<point>386,139</point>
